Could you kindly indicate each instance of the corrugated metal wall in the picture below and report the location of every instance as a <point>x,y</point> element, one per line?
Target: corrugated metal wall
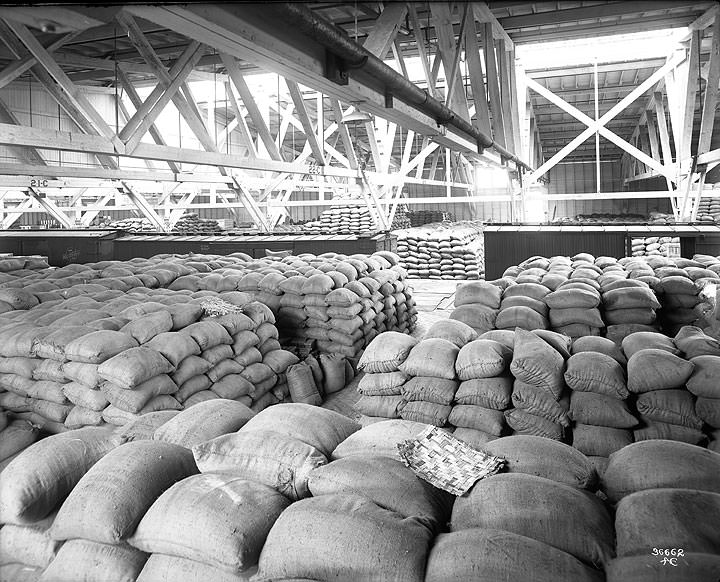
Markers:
<point>580,178</point>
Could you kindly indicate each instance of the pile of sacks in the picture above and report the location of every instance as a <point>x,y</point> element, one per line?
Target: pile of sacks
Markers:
<point>654,245</point>
<point>477,304</point>
<point>334,302</point>
<point>94,359</point>
<point>636,294</point>
<point>709,210</point>
<point>666,499</point>
<point>455,251</point>
<point>345,219</point>
<point>190,223</point>
<point>590,391</point>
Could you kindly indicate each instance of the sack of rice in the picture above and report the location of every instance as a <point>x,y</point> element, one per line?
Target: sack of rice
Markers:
<point>522,317</point>
<point>540,403</point>
<point>477,417</point>
<point>36,481</point>
<point>235,513</point>
<point>163,568</point>
<point>653,369</point>
<point>544,457</point>
<point>600,410</point>
<point>111,498</point>
<point>477,316</point>
<point>694,342</point>
<point>344,537</point>
<point>669,406</point>
<point>431,357</point>
<point>203,422</point>
<point>643,340</point>
<point>81,559</point>
<point>704,380</point>
<point>320,428</point>
<point>144,427</point>
<point>600,441</point>
<point>387,482</point>
<point>28,544</point>
<point>527,423</point>
<point>387,384</point>
<point>599,344</point>
<point>492,393</point>
<point>574,521</point>
<point>472,554</point>
<point>482,358</point>
<point>668,518</point>
<point>380,406</point>
<point>478,292</point>
<point>535,362</point>
<point>15,437</point>
<point>380,438</point>
<point>451,330</point>
<point>98,346</point>
<point>134,366</point>
<point>265,456</point>
<point>426,412</point>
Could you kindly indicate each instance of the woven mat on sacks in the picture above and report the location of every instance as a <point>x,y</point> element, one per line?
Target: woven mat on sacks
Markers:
<point>446,462</point>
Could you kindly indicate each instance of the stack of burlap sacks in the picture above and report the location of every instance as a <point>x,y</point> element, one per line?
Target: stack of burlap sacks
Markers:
<point>442,252</point>
<point>652,245</point>
<point>345,219</point>
<point>331,303</point>
<point>86,363</point>
<point>667,504</point>
<point>709,210</point>
<point>499,530</point>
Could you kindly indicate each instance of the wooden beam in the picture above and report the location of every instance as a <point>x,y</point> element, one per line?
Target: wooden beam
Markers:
<point>27,154</point>
<point>386,28</point>
<point>711,94</point>
<point>493,80</point>
<point>400,59</point>
<point>475,72</point>
<point>653,136</point>
<point>77,98</point>
<point>344,134</point>
<point>483,14</point>
<point>507,89</point>
<point>374,150</point>
<point>689,95</point>
<point>137,103</point>
<point>242,125</point>
<point>446,46</point>
<point>422,51</point>
<point>663,129</point>
<point>704,20</point>
<point>455,73</point>
<point>14,70</point>
<point>248,100</point>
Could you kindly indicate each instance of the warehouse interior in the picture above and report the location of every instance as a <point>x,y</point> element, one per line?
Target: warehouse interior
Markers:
<point>419,291</point>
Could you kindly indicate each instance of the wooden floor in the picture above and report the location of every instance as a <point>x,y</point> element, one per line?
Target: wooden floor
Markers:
<point>434,301</point>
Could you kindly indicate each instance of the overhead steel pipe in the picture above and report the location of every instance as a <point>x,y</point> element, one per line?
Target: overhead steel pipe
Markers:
<point>355,57</point>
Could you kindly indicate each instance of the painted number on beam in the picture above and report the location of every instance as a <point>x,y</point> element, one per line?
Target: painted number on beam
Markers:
<point>38,183</point>
<point>314,170</point>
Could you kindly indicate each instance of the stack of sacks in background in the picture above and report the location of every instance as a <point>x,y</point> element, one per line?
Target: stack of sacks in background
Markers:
<point>279,448</point>
<point>484,392</point>
<point>703,352</point>
<point>537,521</point>
<point>402,218</point>
<point>102,511</point>
<point>345,219</point>
<point>430,366</point>
<point>667,507</point>
<point>381,387</point>
<point>658,376</point>
<point>602,420</point>
<point>477,304</point>
<point>629,305</point>
<point>455,251</point>
<point>709,209</point>
<point>422,217</point>
<point>538,364</point>
<point>523,306</point>
<point>680,296</point>
<point>653,245</point>
<point>32,488</point>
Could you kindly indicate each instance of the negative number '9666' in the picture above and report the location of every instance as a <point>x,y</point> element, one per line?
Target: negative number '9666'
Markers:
<point>675,552</point>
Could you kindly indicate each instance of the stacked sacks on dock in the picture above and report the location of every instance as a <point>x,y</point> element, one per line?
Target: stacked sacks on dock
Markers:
<point>667,498</point>
<point>658,376</point>
<point>574,309</point>
<point>538,367</point>
<point>681,299</point>
<point>477,304</point>
<point>628,303</point>
<point>381,386</point>
<point>573,540</point>
<point>523,306</point>
<point>430,366</point>
<point>653,245</point>
<point>484,392</point>
<point>445,252</point>
<point>560,475</point>
<point>104,508</point>
<point>602,420</point>
<point>703,352</point>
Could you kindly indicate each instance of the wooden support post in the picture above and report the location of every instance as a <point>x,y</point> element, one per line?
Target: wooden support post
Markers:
<point>446,47</point>
<point>344,134</point>
<point>17,68</point>
<point>711,93</point>
<point>385,30</point>
<point>482,113</point>
<point>493,80</point>
<point>242,125</point>
<point>422,50</point>
<point>663,130</point>
<point>309,130</point>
